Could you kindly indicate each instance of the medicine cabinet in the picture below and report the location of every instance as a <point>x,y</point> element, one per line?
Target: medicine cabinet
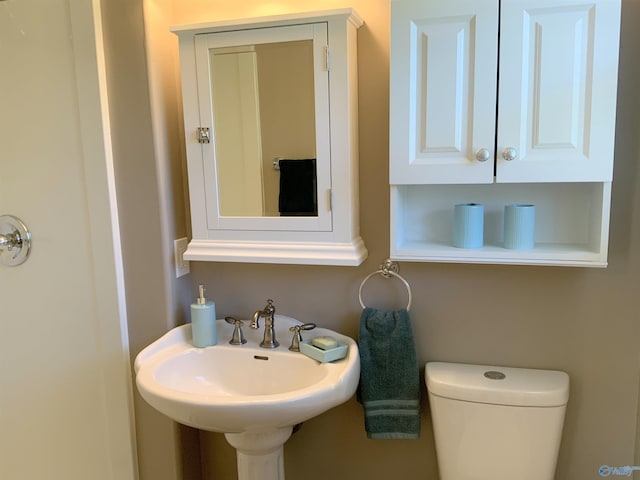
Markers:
<point>270,116</point>
<point>501,102</point>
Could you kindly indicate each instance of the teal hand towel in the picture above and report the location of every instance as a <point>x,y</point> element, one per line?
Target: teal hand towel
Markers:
<point>389,387</point>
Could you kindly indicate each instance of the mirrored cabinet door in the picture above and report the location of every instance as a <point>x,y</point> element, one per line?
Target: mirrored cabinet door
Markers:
<point>264,95</point>
<point>270,116</point>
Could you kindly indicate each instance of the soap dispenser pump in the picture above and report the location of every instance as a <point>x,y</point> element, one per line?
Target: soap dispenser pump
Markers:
<point>203,321</point>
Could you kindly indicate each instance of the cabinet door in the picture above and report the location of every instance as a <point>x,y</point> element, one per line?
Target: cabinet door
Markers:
<point>253,124</point>
<point>557,97</point>
<point>443,91</point>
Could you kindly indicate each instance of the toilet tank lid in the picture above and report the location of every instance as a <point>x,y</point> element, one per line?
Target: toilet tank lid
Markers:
<point>498,385</point>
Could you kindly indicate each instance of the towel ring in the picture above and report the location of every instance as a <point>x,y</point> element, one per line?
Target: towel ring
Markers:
<point>388,269</point>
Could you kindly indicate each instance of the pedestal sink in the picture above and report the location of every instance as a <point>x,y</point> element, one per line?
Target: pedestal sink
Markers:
<point>251,394</point>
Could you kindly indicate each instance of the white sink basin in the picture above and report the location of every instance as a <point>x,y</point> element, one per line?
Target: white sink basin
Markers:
<point>242,388</point>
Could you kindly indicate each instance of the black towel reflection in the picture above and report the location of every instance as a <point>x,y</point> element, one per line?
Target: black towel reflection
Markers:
<point>298,188</point>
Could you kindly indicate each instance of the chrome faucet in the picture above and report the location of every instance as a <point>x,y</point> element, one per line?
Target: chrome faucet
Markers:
<point>269,339</point>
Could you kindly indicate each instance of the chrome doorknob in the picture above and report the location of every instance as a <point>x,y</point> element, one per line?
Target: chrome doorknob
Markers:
<point>15,241</point>
<point>509,154</point>
<point>483,154</point>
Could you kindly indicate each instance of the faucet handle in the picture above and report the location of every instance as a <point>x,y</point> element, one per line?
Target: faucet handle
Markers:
<point>297,337</point>
<point>238,337</point>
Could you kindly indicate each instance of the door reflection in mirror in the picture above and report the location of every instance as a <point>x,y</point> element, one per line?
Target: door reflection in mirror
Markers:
<point>263,108</point>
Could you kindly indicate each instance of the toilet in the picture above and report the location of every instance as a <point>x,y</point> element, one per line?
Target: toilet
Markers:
<point>496,423</point>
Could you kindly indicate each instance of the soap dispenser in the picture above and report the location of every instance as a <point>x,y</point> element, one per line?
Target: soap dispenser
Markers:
<point>203,321</point>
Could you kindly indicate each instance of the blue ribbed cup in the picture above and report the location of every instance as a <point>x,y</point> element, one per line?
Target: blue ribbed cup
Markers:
<point>468,225</point>
<point>519,226</point>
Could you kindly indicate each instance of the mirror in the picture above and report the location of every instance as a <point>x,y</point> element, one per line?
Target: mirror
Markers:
<point>264,95</point>
<point>264,126</point>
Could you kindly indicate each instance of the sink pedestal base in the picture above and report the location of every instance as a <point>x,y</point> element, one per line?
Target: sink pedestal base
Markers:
<point>260,453</point>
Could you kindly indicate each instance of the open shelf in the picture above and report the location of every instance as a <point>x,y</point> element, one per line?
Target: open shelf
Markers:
<point>572,223</point>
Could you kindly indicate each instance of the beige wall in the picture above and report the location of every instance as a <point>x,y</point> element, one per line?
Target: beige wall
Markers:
<point>583,321</point>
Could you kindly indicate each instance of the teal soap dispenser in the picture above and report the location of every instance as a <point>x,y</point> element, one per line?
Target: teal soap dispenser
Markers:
<point>203,321</point>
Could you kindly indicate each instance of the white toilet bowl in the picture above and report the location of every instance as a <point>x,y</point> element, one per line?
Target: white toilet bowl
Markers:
<point>496,423</point>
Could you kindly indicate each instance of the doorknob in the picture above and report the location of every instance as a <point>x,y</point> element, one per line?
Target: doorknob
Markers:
<point>15,241</point>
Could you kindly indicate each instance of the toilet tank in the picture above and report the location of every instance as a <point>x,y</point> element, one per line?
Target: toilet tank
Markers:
<point>496,423</point>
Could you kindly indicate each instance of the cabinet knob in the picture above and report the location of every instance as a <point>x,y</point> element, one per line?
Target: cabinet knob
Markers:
<point>509,154</point>
<point>483,154</point>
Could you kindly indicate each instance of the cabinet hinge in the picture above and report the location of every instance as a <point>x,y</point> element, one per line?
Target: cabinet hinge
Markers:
<point>327,59</point>
<point>330,199</point>
<point>203,135</point>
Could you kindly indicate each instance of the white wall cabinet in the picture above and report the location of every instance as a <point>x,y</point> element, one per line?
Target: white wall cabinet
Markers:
<point>489,92</point>
<point>288,113</point>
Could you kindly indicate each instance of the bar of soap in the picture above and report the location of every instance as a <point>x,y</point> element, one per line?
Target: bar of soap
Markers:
<point>324,342</point>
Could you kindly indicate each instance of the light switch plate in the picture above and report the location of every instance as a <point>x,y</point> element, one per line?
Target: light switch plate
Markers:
<point>182,265</point>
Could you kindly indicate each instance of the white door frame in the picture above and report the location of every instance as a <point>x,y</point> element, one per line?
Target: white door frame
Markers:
<point>86,24</point>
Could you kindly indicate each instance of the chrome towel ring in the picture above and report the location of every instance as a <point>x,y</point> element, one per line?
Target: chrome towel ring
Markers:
<point>387,269</point>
